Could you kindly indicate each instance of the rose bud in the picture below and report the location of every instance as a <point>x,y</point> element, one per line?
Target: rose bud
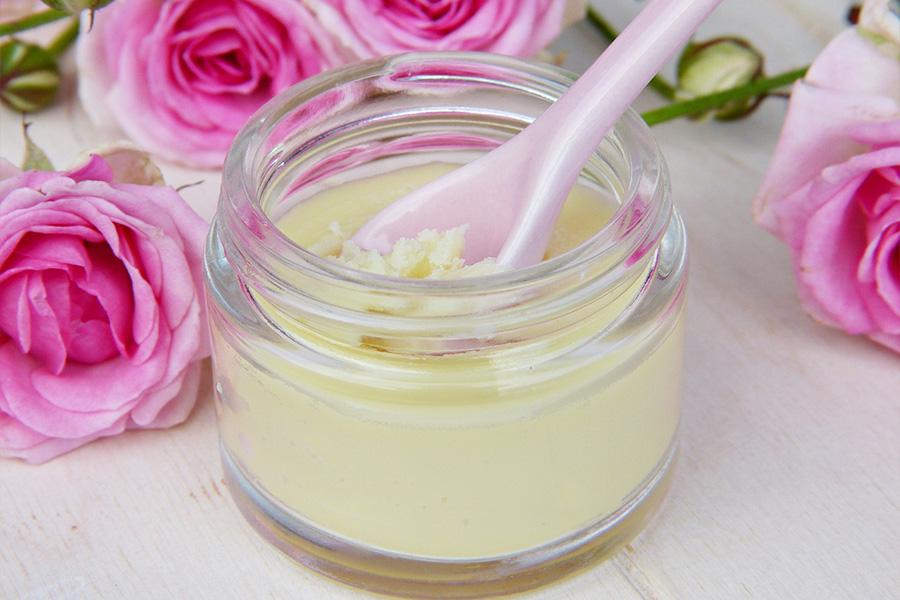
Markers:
<point>718,65</point>
<point>76,6</point>
<point>29,77</point>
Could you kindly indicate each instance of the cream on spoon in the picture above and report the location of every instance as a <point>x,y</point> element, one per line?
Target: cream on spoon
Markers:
<point>511,197</point>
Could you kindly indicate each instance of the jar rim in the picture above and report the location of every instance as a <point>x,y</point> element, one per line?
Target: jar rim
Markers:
<point>631,228</point>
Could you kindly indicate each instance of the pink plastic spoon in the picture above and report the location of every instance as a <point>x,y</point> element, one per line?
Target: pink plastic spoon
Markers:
<point>511,197</point>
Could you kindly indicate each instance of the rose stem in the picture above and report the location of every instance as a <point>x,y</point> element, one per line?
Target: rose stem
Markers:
<point>61,42</point>
<point>702,104</point>
<point>31,21</point>
<point>662,87</point>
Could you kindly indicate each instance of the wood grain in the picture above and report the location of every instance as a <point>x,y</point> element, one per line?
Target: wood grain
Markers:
<point>789,475</point>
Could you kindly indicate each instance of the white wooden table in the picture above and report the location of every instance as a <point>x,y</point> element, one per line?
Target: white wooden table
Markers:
<point>789,478</point>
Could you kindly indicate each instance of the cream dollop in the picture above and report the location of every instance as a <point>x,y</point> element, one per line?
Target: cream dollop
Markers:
<point>431,254</point>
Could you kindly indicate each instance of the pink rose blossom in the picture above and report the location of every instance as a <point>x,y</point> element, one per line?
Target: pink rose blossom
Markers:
<point>102,321</point>
<point>180,77</point>
<point>832,191</point>
<point>372,28</point>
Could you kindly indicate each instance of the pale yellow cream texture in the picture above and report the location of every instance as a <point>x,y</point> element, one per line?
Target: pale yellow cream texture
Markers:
<point>325,222</point>
<point>456,456</point>
<point>432,254</point>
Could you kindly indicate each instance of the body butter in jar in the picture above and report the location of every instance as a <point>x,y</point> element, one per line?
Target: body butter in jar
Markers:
<point>458,436</point>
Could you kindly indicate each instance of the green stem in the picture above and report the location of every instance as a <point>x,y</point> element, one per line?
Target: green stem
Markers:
<point>61,42</point>
<point>31,21</point>
<point>702,104</point>
<point>602,25</point>
<point>658,83</point>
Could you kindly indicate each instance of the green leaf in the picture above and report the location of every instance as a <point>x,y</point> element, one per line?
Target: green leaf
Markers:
<point>35,159</point>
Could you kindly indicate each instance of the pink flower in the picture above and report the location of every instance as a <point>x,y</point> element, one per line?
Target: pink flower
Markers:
<point>180,77</point>
<point>373,28</point>
<point>102,322</point>
<point>832,191</point>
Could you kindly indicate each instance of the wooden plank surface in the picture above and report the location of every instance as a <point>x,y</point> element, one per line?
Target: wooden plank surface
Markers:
<point>789,474</point>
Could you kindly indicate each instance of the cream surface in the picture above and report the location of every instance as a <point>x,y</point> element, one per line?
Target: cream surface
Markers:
<point>324,223</point>
<point>460,455</point>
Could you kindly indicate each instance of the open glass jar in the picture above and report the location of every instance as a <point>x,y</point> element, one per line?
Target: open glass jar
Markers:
<point>452,438</point>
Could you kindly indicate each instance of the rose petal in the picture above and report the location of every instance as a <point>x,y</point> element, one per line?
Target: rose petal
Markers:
<point>171,404</point>
<point>184,226</point>
<point>853,64</point>
<point>100,45</point>
<point>835,114</point>
<point>18,441</point>
<point>887,271</point>
<point>374,28</point>
<point>47,343</point>
<point>92,342</point>
<point>56,249</point>
<point>110,283</point>
<point>27,392</point>
<point>892,341</point>
<point>15,318</point>
<point>113,386</point>
<point>188,343</point>
<point>794,211</point>
<point>42,221</point>
<point>95,169</point>
<point>828,259</point>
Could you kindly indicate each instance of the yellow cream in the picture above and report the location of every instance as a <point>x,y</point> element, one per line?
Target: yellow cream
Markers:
<point>455,455</point>
<point>322,222</point>
<point>430,255</point>
<point>444,476</point>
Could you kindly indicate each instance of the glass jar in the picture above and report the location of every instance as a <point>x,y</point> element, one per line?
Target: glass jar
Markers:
<point>450,438</point>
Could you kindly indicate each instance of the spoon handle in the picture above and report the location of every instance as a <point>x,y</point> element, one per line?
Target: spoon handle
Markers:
<point>570,130</point>
<point>617,77</point>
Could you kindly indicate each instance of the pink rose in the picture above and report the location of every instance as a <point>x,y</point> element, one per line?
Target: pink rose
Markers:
<point>832,191</point>
<point>373,28</point>
<point>102,321</point>
<point>180,77</point>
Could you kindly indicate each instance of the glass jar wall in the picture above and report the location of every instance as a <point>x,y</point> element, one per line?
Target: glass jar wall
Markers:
<point>443,438</point>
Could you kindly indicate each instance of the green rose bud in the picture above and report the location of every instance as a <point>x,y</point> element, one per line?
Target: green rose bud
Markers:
<point>76,6</point>
<point>29,77</point>
<point>718,65</point>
